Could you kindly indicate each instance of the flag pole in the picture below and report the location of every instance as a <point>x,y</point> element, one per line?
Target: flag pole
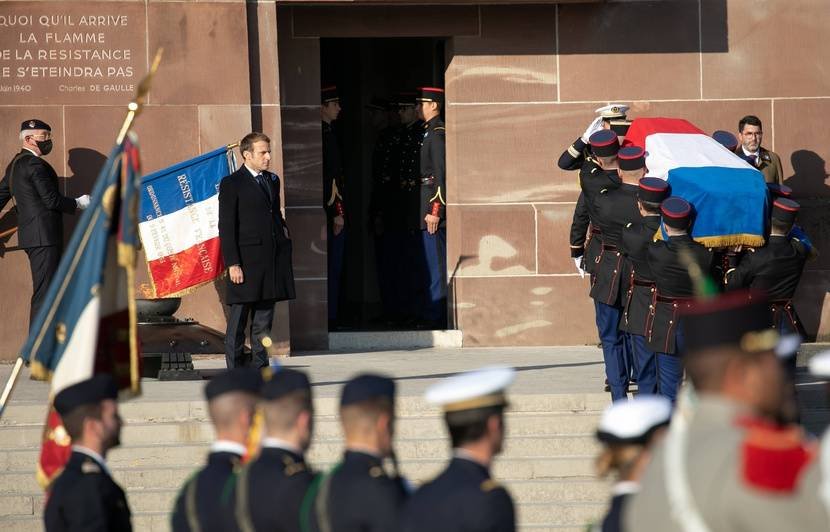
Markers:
<point>134,108</point>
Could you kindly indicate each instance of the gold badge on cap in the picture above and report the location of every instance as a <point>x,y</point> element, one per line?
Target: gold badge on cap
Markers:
<point>31,123</point>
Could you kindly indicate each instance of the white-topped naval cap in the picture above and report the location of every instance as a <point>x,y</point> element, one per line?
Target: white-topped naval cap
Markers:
<point>614,110</point>
<point>478,388</point>
<point>634,421</point>
<point>820,364</point>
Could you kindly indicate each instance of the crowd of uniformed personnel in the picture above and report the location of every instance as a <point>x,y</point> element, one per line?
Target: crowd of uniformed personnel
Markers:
<point>641,284</point>
<point>407,207</point>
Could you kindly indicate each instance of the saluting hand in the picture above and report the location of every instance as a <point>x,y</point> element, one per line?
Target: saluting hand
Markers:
<point>432,223</point>
<point>235,273</point>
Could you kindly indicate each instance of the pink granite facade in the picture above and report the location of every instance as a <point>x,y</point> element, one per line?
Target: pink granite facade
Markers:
<point>522,82</point>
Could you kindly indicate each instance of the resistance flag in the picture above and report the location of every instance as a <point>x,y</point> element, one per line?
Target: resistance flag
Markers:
<point>180,223</point>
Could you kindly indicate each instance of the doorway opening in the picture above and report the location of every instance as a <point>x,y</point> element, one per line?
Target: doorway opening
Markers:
<point>381,286</point>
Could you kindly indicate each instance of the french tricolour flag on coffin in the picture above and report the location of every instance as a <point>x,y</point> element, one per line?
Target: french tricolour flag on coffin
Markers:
<point>729,196</point>
<point>179,225</point>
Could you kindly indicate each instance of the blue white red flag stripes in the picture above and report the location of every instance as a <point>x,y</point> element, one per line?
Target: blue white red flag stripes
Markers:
<point>728,195</point>
<point>87,324</point>
<point>180,222</point>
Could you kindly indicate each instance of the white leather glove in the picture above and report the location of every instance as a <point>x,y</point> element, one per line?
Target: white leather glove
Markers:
<point>82,202</point>
<point>578,264</point>
<point>593,127</point>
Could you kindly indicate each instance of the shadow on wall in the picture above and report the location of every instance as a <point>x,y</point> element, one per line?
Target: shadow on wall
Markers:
<point>809,179</point>
<point>85,165</point>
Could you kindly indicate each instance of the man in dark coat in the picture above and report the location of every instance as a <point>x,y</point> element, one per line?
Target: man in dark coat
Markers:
<point>269,491</point>
<point>433,215</point>
<point>669,263</point>
<point>33,185</point>
<point>84,496</point>
<point>358,495</point>
<point>204,503</point>
<point>256,247</point>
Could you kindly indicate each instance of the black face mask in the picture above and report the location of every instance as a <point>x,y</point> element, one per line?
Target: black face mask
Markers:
<point>45,146</point>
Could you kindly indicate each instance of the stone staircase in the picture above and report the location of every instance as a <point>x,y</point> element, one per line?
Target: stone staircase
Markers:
<point>547,464</point>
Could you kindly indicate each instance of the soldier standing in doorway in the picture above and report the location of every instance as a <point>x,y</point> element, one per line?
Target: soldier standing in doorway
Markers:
<point>333,197</point>
<point>433,206</point>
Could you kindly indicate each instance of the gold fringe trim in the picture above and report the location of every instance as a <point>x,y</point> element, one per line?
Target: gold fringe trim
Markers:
<point>739,239</point>
<point>43,479</point>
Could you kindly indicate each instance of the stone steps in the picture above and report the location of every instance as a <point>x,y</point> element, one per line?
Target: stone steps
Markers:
<point>547,463</point>
<point>325,427</point>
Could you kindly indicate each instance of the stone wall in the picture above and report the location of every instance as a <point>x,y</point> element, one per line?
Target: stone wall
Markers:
<point>522,82</point>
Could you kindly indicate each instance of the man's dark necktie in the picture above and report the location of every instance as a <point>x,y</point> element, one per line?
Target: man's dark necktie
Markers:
<point>260,179</point>
<point>751,159</point>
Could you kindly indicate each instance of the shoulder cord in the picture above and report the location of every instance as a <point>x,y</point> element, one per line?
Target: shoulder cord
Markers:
<point>242,510</point>
<point>682,507</point>
<point>190,505</point>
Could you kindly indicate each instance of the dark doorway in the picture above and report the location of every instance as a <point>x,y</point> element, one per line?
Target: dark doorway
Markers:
<point>365,70</point>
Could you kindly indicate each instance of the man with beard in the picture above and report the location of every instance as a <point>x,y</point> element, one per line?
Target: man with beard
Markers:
<point>84,496</point>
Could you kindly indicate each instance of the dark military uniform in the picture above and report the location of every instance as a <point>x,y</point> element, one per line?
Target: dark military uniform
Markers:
<point>204,503</point>
<point>462,497</point>
<point>334,205</point>
<point>85,497</point>
<point>357,496</point>
<point>575,155</point>
<point>640,296</point>
<point>269,491</point>
<point>614,210</point>
<point>586,235</point>
<point>433,201</point>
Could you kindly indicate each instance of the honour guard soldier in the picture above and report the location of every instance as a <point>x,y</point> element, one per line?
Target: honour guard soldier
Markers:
<point>333,197</point>
<point>751,134</point>
<point>724,465</point>
<point>357,494</point>
<point>614,209</point>
<point>598,173</point>
<point>640,298</point>
<point>84,496</point>
<point>269,490</point>
<point>668,261</point>
<point>776,267</point>
<point>204,502</point>
<point>32,184</point>
<point>464,496</point>
<point>433,206</point>
<point>575,155</point>
<point>627,431</point>
<point>726,139</point>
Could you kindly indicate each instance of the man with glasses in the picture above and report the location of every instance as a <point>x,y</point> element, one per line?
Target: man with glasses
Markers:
<point>32,185</point>
<point>750,134</point>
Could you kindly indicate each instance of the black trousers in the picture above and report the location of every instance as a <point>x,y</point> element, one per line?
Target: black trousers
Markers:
<point>43,261</point>
<point>262,315</point>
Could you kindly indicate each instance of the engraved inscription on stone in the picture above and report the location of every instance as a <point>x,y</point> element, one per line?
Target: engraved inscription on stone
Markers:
<point>59,52</point>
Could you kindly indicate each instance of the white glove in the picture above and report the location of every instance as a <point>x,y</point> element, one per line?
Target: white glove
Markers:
<point>593,127</point>
<point>82,202</point>
<point>578,264</point>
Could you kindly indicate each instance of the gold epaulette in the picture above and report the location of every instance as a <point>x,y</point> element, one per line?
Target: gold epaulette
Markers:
<point>489,485</point>
<point>292,467</point>
<point>89,466</point>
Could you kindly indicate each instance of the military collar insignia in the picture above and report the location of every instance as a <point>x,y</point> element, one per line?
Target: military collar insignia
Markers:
<point>89,466</point>
<point>376,472</point>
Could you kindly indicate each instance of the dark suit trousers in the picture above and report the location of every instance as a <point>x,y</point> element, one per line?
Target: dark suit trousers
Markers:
<point>262,315</point>
<point>43,261</point>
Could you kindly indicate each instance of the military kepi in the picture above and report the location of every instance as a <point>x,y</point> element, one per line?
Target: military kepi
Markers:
<point>633,422</point>
<point>604,143</point>
<point>34,123</point>
<point>785,210</point>
<point>652,189</point>
<point>740,319</point>
<point>631,158</point>
<point>87,392</point>
<point>284,382</point>
<point>329,94</point>
<point>779,191</point>
<point>430,94</point>
<point>676,212</point>
<point>246,380</point>
<point>475,389</point>
<point>726,139</point>
<point>365,387</point>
